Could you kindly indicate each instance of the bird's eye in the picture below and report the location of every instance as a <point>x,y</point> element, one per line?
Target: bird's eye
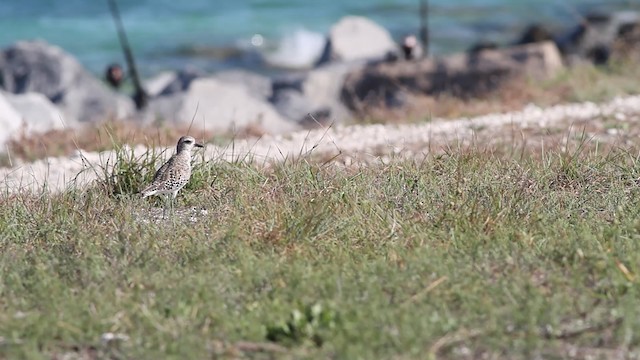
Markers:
<point>188,141</point>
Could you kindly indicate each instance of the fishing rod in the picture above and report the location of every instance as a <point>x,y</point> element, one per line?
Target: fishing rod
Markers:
<point>140,97</point>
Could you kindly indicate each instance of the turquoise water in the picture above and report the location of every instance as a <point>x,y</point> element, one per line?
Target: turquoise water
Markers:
<point>216,34</point>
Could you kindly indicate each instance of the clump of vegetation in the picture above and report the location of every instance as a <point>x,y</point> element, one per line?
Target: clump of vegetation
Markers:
<point>127,173</point>
<point>303,325</point>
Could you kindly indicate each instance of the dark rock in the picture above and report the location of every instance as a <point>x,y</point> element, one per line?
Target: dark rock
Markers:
<point>626,47</point>
<point>535,33</point>
<point>36,66</point>
<point>593,39</point>
<point>182,81</point>
<point>387,85</point>
<point>482,46</point>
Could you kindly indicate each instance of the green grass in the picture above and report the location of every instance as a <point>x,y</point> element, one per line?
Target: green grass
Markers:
<point>463,255</point>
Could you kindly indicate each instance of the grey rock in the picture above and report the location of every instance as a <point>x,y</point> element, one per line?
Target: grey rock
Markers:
<point>592,40</point>
<point>155,85</point>
<point>10,120</point>
<point>295,106</point>
<point>181,81</point>
<point>301,49</point>
<point>219,105</point>
<point>258,85</point>
<point>323,86</point>
<point>313,97</point>
<point>358,38</point>
<point>36,66</point>
<point>163,108</point>
<point>38,113</point>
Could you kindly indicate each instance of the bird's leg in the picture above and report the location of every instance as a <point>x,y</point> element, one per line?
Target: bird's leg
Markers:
<point>164,207</point>
<point>173,199</point>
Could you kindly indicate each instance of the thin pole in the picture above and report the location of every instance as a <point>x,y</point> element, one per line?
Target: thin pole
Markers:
<point>424,26</point>
<point>140,97</point>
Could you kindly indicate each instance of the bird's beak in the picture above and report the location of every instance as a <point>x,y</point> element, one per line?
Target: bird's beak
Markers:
<point>198,145</point>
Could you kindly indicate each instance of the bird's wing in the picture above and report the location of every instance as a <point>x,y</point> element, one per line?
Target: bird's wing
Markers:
<point>161,175</point>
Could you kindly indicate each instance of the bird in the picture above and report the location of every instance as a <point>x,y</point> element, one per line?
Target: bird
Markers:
<point>174,174</point>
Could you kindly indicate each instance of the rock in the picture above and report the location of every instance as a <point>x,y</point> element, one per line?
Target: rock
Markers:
<point>626,46</point>
<point>258,85</point>
<point>481,46</point>
<point>181,81</point>
<point>358,38</point>
<point>219,105</point>
<point>295,106</point>
<point>535,33</point>
<point>593,39</point>
<point>316,92</point>
<point>158,83</point>
<point>36,66</point>
<point>386,85</point>
<point>10,120</point>
<point>38,114</point>
<point>301,49</point>
<point>323,86</point>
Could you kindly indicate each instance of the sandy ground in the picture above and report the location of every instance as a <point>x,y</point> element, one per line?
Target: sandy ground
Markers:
<point>615,121</point>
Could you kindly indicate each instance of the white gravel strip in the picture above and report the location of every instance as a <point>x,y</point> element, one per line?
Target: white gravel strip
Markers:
<point>56,174</point>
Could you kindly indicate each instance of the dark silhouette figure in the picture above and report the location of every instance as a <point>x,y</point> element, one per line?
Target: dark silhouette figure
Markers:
<point>411,48</point>
<point>114,75</point>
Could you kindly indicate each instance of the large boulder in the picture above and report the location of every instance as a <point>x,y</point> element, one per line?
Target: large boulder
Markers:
<point>28,113</point>
<point>219,105</point>
<point>387,85</point>
<point>293,105</point>
<point>38,114</point>
<point>323,87</point>
<point>314,97</point>
<point>301,49</point>
<point>258,85</point>
<point>36,66</point>
<point>358,38</point>
<point>10,120</point>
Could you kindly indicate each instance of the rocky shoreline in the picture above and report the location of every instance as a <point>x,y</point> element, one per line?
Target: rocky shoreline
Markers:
<point>360,70</point>
<point>355,144</point>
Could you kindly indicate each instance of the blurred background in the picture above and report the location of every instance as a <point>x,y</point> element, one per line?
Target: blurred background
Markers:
<point>259,34</point>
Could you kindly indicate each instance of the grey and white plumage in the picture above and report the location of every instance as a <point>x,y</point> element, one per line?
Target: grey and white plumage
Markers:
<point>175,173</point>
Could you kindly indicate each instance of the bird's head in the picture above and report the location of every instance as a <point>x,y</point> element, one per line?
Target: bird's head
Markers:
<point>186,143</point>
